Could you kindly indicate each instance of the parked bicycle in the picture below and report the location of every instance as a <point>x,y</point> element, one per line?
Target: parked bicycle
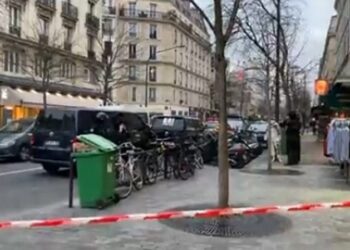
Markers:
<point>129,173</point>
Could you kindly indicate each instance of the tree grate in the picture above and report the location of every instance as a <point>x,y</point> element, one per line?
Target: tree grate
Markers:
<point>237,226</point>
<point>287,172</point>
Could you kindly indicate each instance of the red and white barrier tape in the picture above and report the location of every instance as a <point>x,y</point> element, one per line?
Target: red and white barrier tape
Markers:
<point>208,213</point>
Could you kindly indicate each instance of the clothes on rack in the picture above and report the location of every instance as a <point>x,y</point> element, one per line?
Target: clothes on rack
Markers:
<point>338,140</point>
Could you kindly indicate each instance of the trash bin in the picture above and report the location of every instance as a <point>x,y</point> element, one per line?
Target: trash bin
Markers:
<point>95,159</point>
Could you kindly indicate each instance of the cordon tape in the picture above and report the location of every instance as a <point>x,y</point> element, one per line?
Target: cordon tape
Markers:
<point>208,213</point>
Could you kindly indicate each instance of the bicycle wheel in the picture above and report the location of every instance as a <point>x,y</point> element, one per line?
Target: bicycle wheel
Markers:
<point>183,168</point>
<point>124,182</point>
<point>137,175</point>
<point>151,169</point>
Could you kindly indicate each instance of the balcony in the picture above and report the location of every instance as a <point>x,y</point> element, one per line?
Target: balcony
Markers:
<point>92,22</point>
<point>69,11</point>
<point>110,10</point>
<point>144,14</point>
<point>47,7</point>
<point>43,39</point>
<point>15,30</point>
<point>91,55</point>
<point>67,46</point>
<point>18,2</point>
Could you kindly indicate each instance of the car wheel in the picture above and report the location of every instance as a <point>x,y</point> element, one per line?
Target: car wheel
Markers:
<point>23,153</point>
<point>51,169</point>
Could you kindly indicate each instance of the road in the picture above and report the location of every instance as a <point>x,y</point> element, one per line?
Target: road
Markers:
<point>28,193</point>
<point>26,188</point>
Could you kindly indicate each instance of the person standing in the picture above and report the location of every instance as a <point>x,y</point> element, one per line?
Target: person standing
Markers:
<point>292,125</point>
<point>313,125</point>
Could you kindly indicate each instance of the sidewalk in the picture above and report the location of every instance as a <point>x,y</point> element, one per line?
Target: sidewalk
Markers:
<point>313,230</point>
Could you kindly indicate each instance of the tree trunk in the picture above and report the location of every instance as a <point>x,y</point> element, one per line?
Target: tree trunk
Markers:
<point>44,84</point>
<point>278,66</point>
<point>223,150</point>
<point>105,95</point>
<point>269,116</point>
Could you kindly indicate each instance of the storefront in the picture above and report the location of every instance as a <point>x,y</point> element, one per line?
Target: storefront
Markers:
<point>18,103</point>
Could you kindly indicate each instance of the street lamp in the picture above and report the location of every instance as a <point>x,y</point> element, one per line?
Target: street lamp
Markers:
<point>147,70</point>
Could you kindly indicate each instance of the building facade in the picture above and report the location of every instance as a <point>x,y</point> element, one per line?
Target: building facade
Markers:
<point>329,62</point>
<point>166,56</point>
<point>51,46</point>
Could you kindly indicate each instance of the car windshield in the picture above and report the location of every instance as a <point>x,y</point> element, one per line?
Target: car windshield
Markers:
<point>56,120</point>
<point>260,126</point>
<point>236,123</point>
<point>211,125</point>
<point>16,127</point>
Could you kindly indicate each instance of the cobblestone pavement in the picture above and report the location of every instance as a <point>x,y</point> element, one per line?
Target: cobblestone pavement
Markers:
<point>313,230</point>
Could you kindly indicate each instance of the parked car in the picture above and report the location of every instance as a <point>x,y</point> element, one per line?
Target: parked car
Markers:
<point>15,139</point>
<point>56,129</point>
<point>236,122</point>
<point>177,126</point>
<point>259,130</point>
<point>213,126</point>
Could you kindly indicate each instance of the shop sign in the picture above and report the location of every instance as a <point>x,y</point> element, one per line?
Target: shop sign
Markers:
<point>321,87</point>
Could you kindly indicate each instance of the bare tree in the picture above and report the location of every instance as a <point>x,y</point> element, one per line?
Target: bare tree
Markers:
<point>260,20</point>
<point>223,28</point>
<point>45,63</point>
<point>112,71</point>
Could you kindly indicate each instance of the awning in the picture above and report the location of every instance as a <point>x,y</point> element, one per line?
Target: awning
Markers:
<point>11,96</point>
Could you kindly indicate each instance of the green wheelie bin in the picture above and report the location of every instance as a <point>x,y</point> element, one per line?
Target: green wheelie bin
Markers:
<point>95,158</point>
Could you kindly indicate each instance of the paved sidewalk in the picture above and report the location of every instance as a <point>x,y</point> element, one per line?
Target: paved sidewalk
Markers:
<point>313,230</point>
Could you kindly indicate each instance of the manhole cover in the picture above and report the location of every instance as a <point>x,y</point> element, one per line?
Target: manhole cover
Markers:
<point>273,171</point>
<point>230,226</point>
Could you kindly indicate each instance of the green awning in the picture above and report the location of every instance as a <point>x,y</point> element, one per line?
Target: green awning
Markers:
<point>338,98</point>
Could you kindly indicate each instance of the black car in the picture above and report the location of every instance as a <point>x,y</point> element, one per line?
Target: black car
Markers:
<point>15,139</point>
<point>177,127</point>
<point>56,129</point>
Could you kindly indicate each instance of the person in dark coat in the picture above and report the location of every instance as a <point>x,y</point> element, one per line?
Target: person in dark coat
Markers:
<point>293,125</point>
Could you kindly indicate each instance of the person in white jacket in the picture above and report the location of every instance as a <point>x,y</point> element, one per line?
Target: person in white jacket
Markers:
<point>275,140</point>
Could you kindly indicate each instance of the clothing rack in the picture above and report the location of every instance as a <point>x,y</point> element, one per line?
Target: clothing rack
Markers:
<point>338,143</point>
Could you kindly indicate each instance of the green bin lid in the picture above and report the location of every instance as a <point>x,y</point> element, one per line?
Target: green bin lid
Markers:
<point>98,142</point>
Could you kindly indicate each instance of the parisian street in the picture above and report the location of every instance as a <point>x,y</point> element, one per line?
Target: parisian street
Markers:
<point>37,195</point>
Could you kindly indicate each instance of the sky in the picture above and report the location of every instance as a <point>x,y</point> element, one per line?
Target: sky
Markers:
<point>316,15</point>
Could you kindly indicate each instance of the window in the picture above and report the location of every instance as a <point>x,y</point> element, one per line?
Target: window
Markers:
<point>132,72</point>
<point>132,8</point>
<point>180,78</point>
<point>132,51</point>
<point>153,73</point>
<point>87,74</point>
<point>15,16</point>
<point>175,76</point>
<point>68,69</point>
<point>186,98</point>
<point>153,10</point>
<point>153,52</point>
<point>11,61</point>
<point>44,26</point>
<point>175,37</point>
<point>133,94</point>
<point>107,25</point>
<point>68,33</point>
<point>132,29</point>
<point>152,94</point>
<point>153,31</point>
<point>91,42</point>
